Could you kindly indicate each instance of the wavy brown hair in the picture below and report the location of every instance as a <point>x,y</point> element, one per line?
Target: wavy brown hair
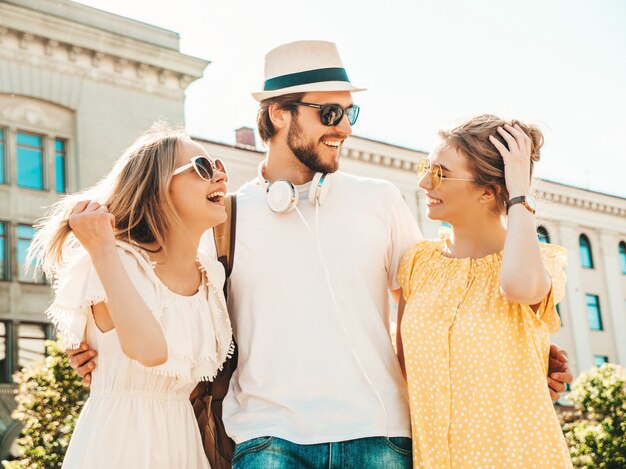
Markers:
<point>263,119</point>
<point>135,192</point>
<point>471,138</point>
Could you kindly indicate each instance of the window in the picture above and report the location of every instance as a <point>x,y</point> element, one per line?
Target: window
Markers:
<point>543,235</point>
<point>34,140</point>
<point>622,256</point>
<point>2,158</point>
<point>586,260</point>
<point>30,160</point>
<point>5,356</point>
<point>4,255</point>
<point>25,235</point>
<point>59,165</point>
<point>594,315</point>
<point>31,345</point>
<point>599,360</point>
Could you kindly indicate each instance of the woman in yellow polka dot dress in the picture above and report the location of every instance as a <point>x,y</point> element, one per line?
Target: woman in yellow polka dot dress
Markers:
<point>480,300</point>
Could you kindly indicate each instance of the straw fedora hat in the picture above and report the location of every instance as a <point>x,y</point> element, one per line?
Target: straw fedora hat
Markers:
<point>302,66</point>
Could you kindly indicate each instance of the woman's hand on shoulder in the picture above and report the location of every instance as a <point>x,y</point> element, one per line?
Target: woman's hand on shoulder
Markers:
<point>92,224</point>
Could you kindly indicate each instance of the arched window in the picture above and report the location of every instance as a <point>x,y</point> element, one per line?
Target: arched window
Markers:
<point>622,256</point>
<point>36,138</point>
<point>543,235</point>
<point>586,260</point>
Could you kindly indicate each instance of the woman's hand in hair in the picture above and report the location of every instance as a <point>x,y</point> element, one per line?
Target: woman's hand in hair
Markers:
<point>93,225</point>
<point>523,278</point>
<point>140,334</point>
<point>516,158</point>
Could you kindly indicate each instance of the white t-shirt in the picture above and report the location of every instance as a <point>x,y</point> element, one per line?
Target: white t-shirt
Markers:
<point>297,377</point>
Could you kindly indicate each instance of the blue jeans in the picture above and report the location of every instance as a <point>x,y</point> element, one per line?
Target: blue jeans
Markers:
<point>269,452</point>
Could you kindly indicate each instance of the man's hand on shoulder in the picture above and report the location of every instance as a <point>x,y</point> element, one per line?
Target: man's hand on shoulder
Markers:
<point>81,360</point>
<point>559,373</point>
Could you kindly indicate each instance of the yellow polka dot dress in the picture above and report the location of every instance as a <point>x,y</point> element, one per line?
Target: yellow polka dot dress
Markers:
<point>477,363</point>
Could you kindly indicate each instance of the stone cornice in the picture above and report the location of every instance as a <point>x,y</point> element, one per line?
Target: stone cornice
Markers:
<point>577,201</point>
<point>102,20</point>
<point>32,37</point>
<point>379,159</point>
<point>42,53</point>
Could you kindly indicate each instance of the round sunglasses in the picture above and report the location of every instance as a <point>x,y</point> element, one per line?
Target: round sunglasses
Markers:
<point>204,167</point>
<point>436,173</point>
<point>331,114</point>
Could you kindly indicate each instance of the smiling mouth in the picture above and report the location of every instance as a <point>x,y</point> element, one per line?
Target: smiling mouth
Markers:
<point>216,197</point>
<point>332,143</point>
<point>432,201</point>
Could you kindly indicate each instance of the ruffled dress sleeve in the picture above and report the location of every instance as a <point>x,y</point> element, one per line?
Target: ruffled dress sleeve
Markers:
<point>414,265</point>
<point>554,260</point>
<point>218,312</point>
<point>77,288</point>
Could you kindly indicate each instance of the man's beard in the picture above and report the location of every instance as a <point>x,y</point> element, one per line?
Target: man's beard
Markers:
<point>306,152</point>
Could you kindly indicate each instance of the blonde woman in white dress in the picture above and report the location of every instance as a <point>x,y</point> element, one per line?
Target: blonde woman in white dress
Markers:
<point>131,283</point>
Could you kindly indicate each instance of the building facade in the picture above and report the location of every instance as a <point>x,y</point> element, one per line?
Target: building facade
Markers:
<point>77,85</point>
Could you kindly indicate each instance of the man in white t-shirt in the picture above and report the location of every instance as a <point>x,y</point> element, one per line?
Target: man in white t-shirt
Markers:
<point>317,382</point>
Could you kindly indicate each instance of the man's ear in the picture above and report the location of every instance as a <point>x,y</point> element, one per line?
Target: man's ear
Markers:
<point>280,117</point>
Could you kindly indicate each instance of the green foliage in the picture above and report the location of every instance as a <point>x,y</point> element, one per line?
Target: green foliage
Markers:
<point>49,399</point>
<point>596,434</point>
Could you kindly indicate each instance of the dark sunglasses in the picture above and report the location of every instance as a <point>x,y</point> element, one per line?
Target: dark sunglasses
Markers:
<point>204,166</point>
<point>331,114</point>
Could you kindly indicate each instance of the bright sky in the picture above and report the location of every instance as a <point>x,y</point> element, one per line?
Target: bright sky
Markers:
<point>558,63</point>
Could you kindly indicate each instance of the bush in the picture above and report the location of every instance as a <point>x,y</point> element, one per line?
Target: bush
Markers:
<point>597,433</point>
<point>49,399</point>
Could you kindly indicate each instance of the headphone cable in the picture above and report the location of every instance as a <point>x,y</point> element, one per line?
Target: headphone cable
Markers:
<point>336,307</point>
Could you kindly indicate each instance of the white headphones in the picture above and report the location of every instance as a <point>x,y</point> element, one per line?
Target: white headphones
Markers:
<point>282,196</point>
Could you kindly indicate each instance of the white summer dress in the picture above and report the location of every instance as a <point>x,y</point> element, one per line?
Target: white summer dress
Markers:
<point>139,417</point>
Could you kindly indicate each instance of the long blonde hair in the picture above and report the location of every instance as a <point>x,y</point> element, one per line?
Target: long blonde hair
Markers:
<point>135,192</point>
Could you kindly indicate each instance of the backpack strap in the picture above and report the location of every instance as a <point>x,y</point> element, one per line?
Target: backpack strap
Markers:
<point>207,397</point>
<point>224,234</point>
